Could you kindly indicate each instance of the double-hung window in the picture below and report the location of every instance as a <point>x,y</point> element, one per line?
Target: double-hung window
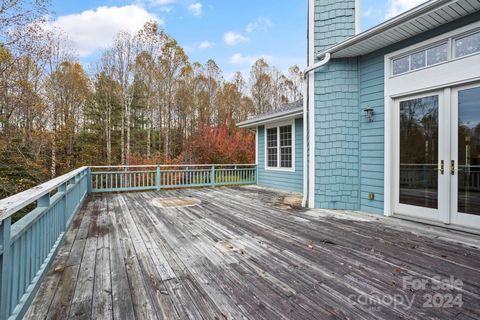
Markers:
<point>279,147</point>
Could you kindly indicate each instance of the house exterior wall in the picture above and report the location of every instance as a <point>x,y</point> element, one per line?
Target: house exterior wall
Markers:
<point>349,150</point>
<point>372,145</point>
<point>336,111</point>
<point>283,180</point>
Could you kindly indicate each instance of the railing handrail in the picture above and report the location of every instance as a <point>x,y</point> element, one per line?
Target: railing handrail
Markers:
<point>18,201</point>
<point>173,165</point>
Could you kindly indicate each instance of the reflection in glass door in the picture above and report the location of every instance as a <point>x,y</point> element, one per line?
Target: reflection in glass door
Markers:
<point>418,135</point>
<point>468,153</point>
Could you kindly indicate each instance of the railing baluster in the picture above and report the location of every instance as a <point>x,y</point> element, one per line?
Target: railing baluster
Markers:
<point>212,176</point>
<point>5,275</point>
<point>173,176</point>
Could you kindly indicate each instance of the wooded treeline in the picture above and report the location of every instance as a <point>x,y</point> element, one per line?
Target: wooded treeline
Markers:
<point>144,103</point>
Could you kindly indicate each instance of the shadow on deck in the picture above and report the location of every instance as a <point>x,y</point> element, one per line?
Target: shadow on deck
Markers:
<point>238,254</point>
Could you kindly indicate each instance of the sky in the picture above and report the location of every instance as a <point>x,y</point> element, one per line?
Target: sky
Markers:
<point>232,32</point>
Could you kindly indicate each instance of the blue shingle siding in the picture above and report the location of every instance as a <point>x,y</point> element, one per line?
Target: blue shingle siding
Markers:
<point>372,133</point>
<point>336,111</point>
<point>334,22</point>
<point>337,135</point>
<point>289,181</point>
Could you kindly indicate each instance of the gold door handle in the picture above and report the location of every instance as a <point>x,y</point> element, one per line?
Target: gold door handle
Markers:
<point>442,167</point>
<point>452,167</point>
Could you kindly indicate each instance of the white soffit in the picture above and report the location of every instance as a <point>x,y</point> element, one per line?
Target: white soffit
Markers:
<point>422,18</point>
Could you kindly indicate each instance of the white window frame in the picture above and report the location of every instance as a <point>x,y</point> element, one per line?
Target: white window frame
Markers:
<point>277,125</point>
<point>448,38</point>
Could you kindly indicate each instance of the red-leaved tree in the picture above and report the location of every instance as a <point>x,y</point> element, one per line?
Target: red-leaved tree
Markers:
<point>221,145</point>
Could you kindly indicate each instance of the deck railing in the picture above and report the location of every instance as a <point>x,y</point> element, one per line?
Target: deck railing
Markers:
<point>132,178</point>
<point>29,245</point>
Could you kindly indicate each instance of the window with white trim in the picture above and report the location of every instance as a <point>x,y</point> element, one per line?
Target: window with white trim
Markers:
<point>421,59</point>
<point>279,147</point>
<point>449,49</point>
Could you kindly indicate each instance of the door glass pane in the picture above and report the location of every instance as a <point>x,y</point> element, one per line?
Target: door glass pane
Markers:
<point>419,152</point>
<point>469,151</point>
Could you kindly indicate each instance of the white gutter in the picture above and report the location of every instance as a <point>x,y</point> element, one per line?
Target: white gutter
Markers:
<point>309,111</point>
<point>324,61</point>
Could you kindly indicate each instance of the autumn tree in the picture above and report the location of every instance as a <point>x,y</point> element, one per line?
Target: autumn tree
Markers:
<point>146,102</point>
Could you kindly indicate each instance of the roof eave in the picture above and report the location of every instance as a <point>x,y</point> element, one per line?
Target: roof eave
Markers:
<point>392,23</point>
<point>294,113</point>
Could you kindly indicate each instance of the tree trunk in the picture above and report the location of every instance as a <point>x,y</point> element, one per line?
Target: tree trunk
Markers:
<point>128,134</point>
<point>149,130</point>
<point>109,134</point>
<point>53,168</point>
<point>122,138</point>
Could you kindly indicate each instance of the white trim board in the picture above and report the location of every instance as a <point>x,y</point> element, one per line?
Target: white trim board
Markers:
<point>455,71</point>
<point>310,124</point>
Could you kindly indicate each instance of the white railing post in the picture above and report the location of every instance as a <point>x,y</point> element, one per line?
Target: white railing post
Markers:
<point>5,264</point>
<point>157,177</point>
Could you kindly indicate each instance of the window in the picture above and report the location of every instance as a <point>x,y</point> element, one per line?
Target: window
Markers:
<point>401,65</point>
<point>421,59</point>
<point>279,147</point>
<point>467,45</point>
<point>418,60</point>
<point>272,148</point>
<point>286,147</point>
<point>437,54</point>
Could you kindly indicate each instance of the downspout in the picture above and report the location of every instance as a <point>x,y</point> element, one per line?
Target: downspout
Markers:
<point>308,109</point>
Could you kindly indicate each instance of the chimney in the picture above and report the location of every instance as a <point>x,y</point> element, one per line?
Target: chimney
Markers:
<point>335,21</point>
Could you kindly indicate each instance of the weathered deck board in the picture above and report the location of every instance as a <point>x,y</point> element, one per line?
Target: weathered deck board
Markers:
<point>239,255</point>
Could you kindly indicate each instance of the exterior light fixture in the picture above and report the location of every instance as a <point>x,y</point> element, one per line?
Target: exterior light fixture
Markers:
<point>369,114</point>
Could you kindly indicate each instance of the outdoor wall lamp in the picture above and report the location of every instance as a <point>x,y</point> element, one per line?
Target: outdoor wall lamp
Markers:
<point>369,114</point>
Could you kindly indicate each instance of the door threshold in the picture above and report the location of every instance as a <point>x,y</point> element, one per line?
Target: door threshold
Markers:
<point>437,224</point>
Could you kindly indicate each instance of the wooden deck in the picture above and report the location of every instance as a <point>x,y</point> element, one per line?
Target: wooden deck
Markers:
<point>240,255</point>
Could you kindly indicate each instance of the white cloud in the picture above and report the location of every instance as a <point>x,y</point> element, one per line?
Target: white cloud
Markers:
<point>96,29</point>
<point>206,45</point>
<point>395,7</point>
<point>196,9</point>
<point>238,58</point>
<point>232,38</point>
<point>261,23</point>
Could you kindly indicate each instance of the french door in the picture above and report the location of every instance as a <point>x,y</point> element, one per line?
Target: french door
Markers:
<point>437,156</point>
<point>465,156</point>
